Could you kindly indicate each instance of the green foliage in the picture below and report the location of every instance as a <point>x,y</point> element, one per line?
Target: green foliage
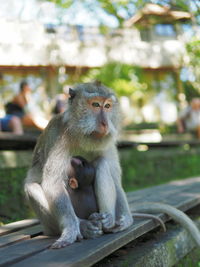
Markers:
<point>190,260</point>
<point>190,91</point>
<point>124,9</point>
<point>142,126</point>
<point>12,201</point>
<point>62,3</point>
<point>193,50</point>
<point>157,166</point>
<point>123,78</point>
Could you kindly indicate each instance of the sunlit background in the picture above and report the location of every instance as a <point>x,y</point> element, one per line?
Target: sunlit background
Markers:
<point>147,51</point>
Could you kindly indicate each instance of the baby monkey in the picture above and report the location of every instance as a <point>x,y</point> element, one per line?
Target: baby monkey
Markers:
<point>81,191</point>
<point>81,187</point>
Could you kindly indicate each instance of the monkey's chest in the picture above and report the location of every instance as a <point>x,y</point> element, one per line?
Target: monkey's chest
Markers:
<point>84,201</point>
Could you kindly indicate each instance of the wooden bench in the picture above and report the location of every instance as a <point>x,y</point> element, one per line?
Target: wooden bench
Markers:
<point>9,141</point>
<point>22,243</point>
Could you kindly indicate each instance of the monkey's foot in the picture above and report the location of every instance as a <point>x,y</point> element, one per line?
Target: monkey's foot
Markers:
<point>66,239</point>
<point>106,220</point>
<point>123,223</point>
<point>91,229</point>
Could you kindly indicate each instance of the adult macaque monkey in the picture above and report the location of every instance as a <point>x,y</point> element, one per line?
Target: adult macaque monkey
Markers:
<point>89,128</point>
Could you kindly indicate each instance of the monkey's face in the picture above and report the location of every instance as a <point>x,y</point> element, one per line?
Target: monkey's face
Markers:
<point>100,107</point>
<point>96,112</point>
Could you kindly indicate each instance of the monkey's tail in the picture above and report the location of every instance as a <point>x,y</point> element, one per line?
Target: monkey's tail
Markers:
<point>175,213</point>
<point>150,216</point>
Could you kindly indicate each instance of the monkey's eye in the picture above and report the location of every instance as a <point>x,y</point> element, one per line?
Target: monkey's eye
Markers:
<point>107,106</point>
<point>96,104</point>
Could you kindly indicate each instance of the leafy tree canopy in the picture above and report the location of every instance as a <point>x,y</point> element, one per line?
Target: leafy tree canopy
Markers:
<point>123,9</point>
<point>124,79</point>
<point>193,50</point>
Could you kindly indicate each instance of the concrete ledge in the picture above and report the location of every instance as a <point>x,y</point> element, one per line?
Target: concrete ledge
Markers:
<point>167,249</point>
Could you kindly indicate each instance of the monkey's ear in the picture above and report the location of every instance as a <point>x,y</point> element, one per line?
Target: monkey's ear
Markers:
<point>72,94</point>
<point>73,183</point>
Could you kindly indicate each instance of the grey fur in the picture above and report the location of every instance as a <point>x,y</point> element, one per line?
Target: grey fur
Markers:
<point>67,135</point>
<point>176,214</point>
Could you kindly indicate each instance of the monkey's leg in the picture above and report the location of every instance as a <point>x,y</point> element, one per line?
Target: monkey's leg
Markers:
<point>124,218</point>
<point>123,215</point>
<point>54,174</point>
<point>62,210</point>
<point>38,201</point>
<point>106,194</point>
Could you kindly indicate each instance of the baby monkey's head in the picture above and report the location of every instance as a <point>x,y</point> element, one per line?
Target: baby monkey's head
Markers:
<point>82,173</point>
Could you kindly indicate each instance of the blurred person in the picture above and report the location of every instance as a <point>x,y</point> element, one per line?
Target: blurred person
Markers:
<point>11,123</point>
<point>60,102</point>
<point>189,118</point>
<point>23,107</point>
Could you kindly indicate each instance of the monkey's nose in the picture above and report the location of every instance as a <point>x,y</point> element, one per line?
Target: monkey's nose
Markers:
<point>103,127</point>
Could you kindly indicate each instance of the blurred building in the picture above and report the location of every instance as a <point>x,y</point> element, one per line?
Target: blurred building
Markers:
<point>152,39</point>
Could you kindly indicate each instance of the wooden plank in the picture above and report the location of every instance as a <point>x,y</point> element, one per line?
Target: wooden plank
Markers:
<point>173,143</point>
<point>87,252</point>
<point>9,141</point>
<point>12,227</point>
<point>91,251</point>
<point>20,235</point>
<point>24,249</point>
<point>190,186</point>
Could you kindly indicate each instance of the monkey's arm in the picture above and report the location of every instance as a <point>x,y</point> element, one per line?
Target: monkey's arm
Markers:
<point>54,172</point>
<point>123,214</point>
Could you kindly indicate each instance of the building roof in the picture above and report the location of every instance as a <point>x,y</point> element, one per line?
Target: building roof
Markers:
<point>28,44</point>
<point>164,13</point>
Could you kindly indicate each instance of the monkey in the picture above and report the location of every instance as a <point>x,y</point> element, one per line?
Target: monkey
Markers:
<point>80,187</point>
<point>89,127</point>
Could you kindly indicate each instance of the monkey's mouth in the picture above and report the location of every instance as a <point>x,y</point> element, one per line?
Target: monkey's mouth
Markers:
<point>98,135</point>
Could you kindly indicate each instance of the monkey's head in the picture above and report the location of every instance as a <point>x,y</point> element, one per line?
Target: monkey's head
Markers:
<point>82,173</point>
<point>93,112</point>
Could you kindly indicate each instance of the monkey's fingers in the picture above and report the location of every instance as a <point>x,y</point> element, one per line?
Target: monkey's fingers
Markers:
<point>123,223</point>
<point>92,234</point>
<point>96,216</point>
<point>107,222</point>
<point>79,237</point>
<point>91,229</point>
<point>60,244</point>
<point>94,226</point>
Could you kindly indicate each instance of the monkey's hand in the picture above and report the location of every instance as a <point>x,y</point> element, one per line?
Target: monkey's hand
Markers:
<point>91,228</point>
<point>68,236</point>
<point>123,223</point>
<point>106,220</point>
